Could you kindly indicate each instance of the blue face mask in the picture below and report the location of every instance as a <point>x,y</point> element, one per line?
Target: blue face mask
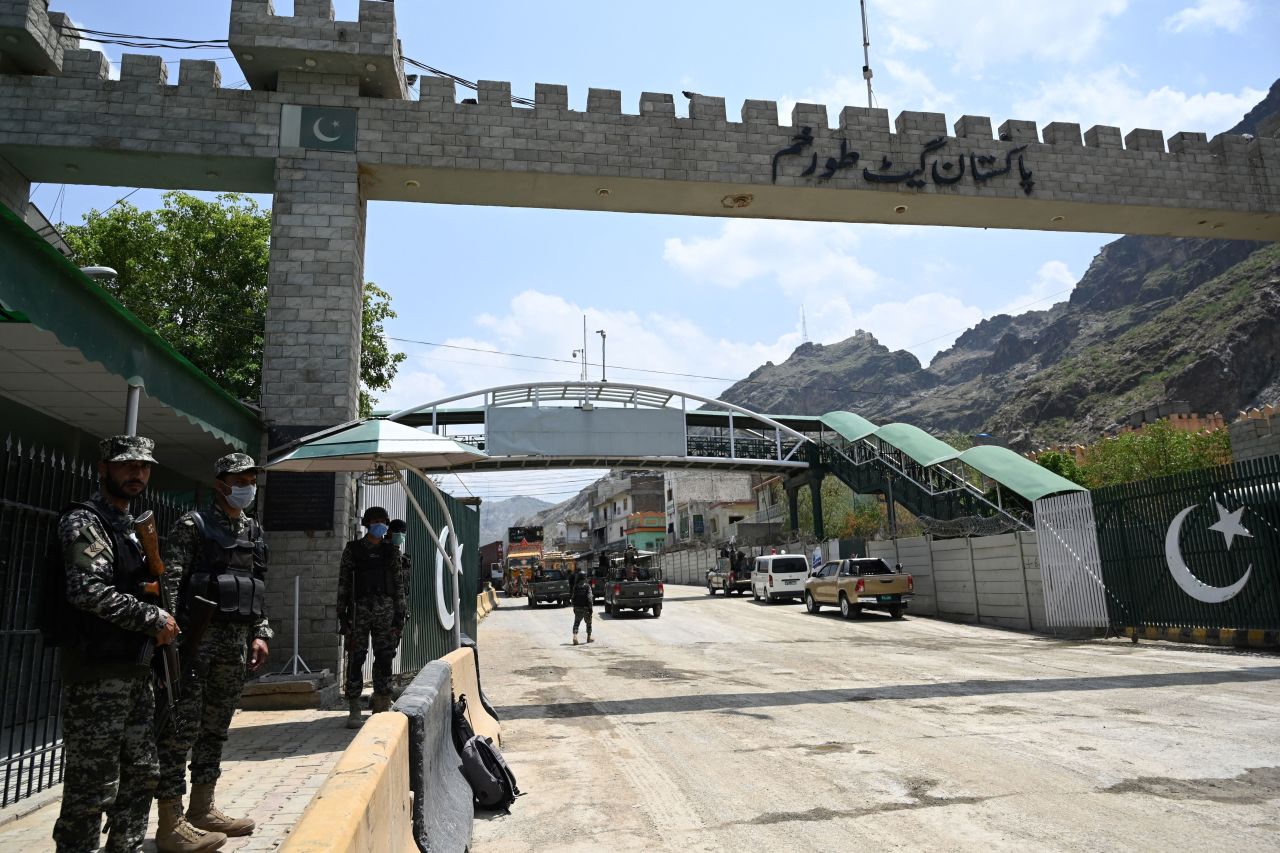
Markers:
<point>377,530</point>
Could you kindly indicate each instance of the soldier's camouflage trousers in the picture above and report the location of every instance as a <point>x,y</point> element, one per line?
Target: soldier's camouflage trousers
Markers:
<point>204,711</point>
<point>579,615</point>
<point>374,618</point>
<point>109,743</point>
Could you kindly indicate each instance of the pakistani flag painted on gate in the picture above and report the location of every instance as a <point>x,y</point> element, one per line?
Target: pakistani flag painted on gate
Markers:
<point>318,128</point>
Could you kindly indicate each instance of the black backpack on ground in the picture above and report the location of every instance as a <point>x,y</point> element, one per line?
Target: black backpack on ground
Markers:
<point>493,784</point>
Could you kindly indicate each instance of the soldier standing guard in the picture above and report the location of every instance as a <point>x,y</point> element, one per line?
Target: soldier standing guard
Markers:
<point>371,603</point>
<point>108,707</point>
<point>217,554</point>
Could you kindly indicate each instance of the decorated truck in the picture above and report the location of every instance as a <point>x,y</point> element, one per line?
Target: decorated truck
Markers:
<point>524,555</point>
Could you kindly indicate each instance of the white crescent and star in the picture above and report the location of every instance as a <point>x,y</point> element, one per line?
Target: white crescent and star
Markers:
<point>1230,527</point>
<point>315,129</point>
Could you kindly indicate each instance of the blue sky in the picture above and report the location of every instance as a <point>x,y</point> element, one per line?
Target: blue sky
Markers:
<point>714,297</point>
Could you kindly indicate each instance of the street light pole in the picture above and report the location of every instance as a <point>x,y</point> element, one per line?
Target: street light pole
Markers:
<point>603,337</point>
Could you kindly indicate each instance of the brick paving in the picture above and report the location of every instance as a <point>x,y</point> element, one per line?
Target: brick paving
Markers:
<point>273,764</point>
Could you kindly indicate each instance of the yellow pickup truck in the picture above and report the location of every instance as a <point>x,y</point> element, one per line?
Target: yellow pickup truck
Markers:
<point>859,583</point>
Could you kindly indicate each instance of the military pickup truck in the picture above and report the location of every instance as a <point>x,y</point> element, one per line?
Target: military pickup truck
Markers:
<point>634,587</point>
<point>857,584</point>
<point>550,585</point>
<point>725,579</point>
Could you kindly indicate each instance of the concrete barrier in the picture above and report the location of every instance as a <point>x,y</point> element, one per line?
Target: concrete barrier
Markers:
<point>492,595</point>
<point>482,606</point>
<point>364,803</point>
<point>462,665</point>
<point>442,802</point>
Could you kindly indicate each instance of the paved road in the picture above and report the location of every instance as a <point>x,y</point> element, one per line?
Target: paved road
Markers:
<point>730,725</point>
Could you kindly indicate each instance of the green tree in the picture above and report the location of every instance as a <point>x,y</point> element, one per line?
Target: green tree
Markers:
<point>1155,451</point>
<point>1062,464</point>
<point>196,272</point>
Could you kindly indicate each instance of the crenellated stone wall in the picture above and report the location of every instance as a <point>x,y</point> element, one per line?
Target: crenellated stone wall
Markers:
<point>916,169</point>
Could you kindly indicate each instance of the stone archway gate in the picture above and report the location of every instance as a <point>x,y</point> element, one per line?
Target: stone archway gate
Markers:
<point>327,125</point>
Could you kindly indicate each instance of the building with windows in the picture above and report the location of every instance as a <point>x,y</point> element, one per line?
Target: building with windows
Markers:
<point>702,504</point>
<point>617,497</point>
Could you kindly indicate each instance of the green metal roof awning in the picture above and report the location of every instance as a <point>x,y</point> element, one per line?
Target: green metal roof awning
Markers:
<point>75,345</point>
<point>851,426</point>
<point>916,443</point>
<point>1017,473</point>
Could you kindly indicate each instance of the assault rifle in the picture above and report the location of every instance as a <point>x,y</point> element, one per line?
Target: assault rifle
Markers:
<point>168,665</point>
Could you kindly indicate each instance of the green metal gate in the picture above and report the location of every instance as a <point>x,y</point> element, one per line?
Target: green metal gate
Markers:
<point>1194,550</point>
<point>424,640</point>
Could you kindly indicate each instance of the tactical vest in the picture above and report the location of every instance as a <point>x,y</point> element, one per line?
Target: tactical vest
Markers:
<point>94,636</point>
<point>230,572</point>
<point>375,569</point>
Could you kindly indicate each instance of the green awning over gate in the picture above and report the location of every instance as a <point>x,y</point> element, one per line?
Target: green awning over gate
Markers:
<point>40,286</point>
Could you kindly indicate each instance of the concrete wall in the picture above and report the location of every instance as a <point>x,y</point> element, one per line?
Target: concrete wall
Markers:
<point>1254,438</point>
<point>990,580</point>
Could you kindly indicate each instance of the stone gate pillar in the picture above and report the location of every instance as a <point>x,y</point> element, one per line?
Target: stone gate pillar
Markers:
<point>322,72</point>
<point>310,381</point>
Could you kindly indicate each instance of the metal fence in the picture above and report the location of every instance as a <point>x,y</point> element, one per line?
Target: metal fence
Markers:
<point>1194,550</point>
<point>35,483</point>
<point>1071,568</point>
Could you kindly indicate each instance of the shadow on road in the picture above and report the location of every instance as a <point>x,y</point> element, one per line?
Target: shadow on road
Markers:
<point>974,687</point>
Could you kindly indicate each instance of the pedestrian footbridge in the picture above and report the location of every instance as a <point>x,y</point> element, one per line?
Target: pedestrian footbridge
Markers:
<point>618,425</point>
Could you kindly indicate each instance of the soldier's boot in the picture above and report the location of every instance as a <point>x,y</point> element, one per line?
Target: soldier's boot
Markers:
<point>354,720</point>
<point>203,814</point>
<point>589,640</point>
<point>381,702</point>
<point>575,638</point>
<point>177,835</point>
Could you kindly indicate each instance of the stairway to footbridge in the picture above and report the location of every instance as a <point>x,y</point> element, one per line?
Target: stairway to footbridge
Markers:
<point>619,425</point>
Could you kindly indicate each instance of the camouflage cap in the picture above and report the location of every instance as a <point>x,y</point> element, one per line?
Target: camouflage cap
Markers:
<point>235,463</point>
<point>127,448</point>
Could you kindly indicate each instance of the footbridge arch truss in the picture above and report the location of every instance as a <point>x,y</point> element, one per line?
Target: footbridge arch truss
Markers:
<point>618,425</point>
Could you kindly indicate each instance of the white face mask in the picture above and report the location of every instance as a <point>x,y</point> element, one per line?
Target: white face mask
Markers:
<point>242,496</point>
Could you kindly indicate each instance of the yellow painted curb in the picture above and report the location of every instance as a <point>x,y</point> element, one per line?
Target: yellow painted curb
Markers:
<point>462,665</point>
<point>364,804</point>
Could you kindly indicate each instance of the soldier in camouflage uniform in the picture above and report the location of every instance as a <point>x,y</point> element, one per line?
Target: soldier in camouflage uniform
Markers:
<point>108,705</point>
<point>371,603</point>
<point>217,554</point>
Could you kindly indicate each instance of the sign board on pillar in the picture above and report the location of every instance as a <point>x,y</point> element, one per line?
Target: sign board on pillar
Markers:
<point>318,128</point>
<point>297,501</point>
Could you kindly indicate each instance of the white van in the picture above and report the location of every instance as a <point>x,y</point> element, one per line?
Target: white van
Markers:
<point>777,576</point>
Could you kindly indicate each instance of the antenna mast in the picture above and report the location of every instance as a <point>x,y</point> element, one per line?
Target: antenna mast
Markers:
<point>804,327</point>
<point>866,52</point>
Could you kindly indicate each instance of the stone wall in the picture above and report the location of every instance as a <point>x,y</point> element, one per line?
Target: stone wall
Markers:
<point>1256,434</point>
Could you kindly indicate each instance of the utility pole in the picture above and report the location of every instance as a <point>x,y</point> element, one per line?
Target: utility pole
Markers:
<point>583,352</point>
<point>603,336</point>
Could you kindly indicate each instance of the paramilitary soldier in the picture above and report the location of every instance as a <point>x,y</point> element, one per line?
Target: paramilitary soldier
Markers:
<point>108,707</point>
<point>217,554</point>
<point>371,603</point>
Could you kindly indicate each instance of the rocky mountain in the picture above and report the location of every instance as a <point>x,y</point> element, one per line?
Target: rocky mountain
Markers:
<point>497,516</point>
<point>1153,320</point>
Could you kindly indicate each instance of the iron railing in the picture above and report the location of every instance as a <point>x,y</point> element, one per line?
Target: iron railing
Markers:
<point>35,483</point>
<point>1173,549</point>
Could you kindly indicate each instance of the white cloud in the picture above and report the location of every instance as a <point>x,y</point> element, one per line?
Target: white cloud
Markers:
<point>900,39</point>
<point>1053,283</point>
<point>651,341</point>
<point>897,86</point>
<point>1110,97</point>
<point>802,257</point>
<point>966,30</point>
<point>923,324</point>
<point>1227,15</point>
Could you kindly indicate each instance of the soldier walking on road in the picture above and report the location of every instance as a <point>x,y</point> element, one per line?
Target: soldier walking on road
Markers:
<point>581,597</point>
<point>216,554</point>
<point>371,604</point>
<point>108,707</point>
